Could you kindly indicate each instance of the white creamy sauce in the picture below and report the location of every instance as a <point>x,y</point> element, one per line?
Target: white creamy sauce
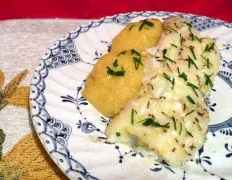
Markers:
<point>170,117</point>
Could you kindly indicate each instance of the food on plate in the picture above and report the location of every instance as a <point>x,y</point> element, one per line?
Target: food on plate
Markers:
<point>138,35</point>
<point>117,76</point>
<point>115,79</point>
<point>170,116</point>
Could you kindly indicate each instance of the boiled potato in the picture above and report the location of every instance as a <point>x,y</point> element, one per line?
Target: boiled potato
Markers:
<point>115,79</point>
<point>139,35</point>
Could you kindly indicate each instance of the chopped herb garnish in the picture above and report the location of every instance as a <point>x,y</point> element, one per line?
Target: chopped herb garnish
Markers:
<point>176,26</point>
<point>197,119</point>
<point>171,80</point>
<point>189,133</point>
<point>188,24</point>
<point>199,39</point>
<point>137,62</point>
<point>193,88</point>
<point>165,57</point>
<point>173,150</point>
<point>208,81</point>
<point>181,40</point>
<point>192,51</point>
<point>191,62</point>
<point>191,33</point>
<point>174,122</point>
<point>118,134</point>
<point>133,112</point>
<point>209,47</point>
<point>180,128</point>
<point>133,51</point>
<point>174,45</point>
<point>115,64</point>
<point>152,122</point>
<point>123,52</point>
<point>131,27</point>
<point>182,75</point>
<point>190,99</point>
<point>148,104</point>
<point>145,23</point>
<point>207,63</point>
<point>189,112</point>
<point>115,73</point>
<point>173,29</point>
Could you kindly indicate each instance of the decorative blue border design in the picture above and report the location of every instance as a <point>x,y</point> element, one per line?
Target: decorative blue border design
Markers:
<point>57,56</point>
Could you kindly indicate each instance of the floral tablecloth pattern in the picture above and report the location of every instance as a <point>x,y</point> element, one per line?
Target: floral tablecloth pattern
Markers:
<point>23,42</point>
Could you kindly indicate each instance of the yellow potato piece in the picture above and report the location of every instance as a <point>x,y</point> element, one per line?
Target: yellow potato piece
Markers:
<point>139,35</point>
<point>109,93</point>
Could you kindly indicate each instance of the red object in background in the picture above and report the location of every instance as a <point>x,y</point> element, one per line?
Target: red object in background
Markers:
<point>92,9</point>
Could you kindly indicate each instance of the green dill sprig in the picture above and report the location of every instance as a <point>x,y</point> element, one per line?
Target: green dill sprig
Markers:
<point>192,51</point>
<point>144,23</point>
<point>171,80</point>
<point>182,75</point>
<point>190,112</point>
<point>115,63</point>
<point>207,63</point>
<point>180,128</point>
<point>189,133</point>
<point>193,87</point>
<point>190,99</point>
<point>173,45</point>
<point>137,62</point>
<point>131,27</point>
<point>133,112</point>
<point>153,123</point>
<point>208,81</point>
<point>172,29</point>
<point>191,62</point>
<point>118,134</point>
<point>174,121</point>
<point>209,47</point>
<point>121,53</point>
<point>116,73</point>
<point>166,58</point>
<point>133,51</point>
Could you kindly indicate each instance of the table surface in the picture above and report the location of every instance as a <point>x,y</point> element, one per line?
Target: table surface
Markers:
<point>89,9</point>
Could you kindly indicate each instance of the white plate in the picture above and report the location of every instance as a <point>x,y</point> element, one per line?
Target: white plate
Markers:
<point>67,124</point>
